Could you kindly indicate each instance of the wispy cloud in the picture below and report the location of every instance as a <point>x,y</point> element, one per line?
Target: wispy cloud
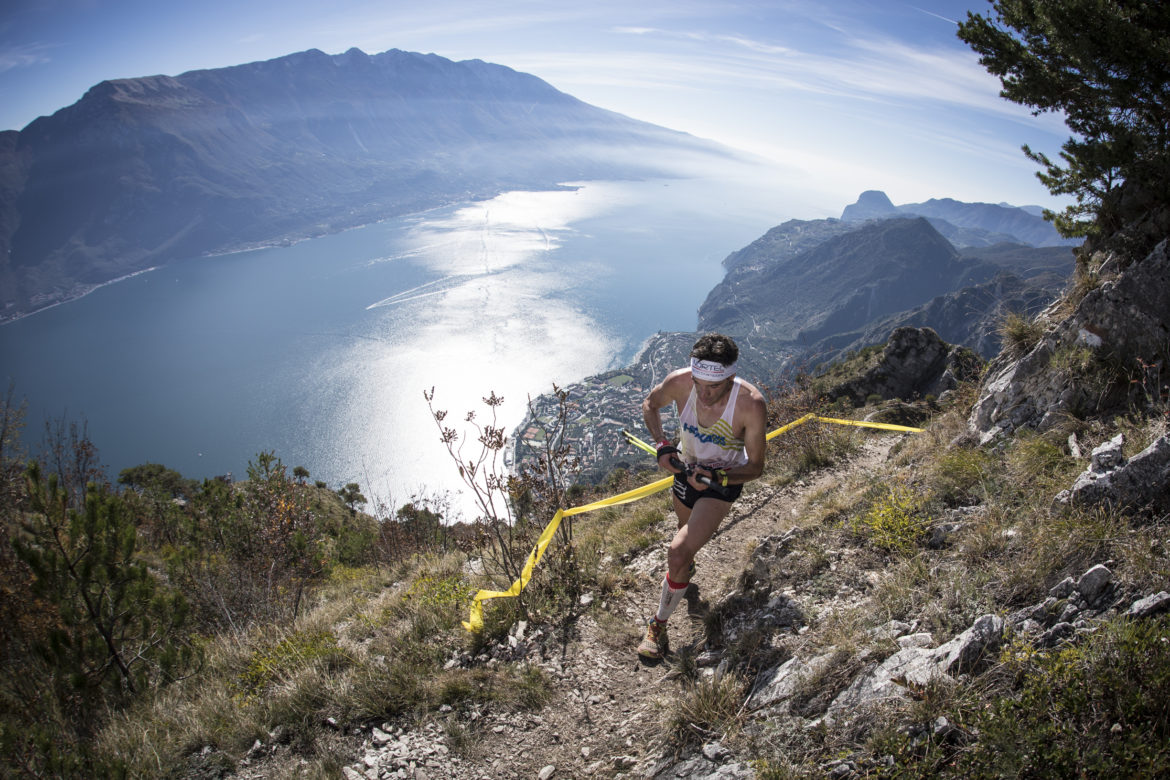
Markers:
<point>24,56</point>
<point>856,65</point>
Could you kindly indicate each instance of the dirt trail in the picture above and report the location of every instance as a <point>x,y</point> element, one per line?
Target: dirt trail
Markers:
<point>607,702</point>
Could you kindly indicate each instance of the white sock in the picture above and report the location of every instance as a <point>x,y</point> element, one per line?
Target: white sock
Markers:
<point>672,593</point>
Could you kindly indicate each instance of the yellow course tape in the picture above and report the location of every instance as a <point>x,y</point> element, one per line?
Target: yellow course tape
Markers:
<point>475,619</point>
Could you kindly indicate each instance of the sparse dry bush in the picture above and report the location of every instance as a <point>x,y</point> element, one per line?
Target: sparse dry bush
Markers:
<point>709,709</point>
<point>1019,333</point>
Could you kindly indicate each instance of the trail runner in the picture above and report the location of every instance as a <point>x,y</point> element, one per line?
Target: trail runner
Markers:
<point>723,421</point>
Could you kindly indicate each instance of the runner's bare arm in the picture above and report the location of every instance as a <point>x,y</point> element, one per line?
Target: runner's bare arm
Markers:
<point>663,395</point>
<point>755,416</point>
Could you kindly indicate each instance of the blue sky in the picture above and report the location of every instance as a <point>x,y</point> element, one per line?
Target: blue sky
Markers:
<point>846,95</point>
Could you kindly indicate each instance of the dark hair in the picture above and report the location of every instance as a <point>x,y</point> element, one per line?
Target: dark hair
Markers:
<point>716,347</point>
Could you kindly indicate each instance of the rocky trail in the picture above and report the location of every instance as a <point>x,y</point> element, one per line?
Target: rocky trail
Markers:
<point>603,719</point>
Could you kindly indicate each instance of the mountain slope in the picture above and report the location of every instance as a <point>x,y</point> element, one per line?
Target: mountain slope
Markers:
<point>143,171</point>
<point>840,284</point>
<point>823,287</point>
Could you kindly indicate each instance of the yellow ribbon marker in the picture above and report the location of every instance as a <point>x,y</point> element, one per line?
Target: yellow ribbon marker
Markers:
<point>475,619</point>
<point>881,426</point>
<point>790,426</point>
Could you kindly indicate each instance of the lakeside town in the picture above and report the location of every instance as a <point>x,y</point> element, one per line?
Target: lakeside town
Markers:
<point>600,407</point>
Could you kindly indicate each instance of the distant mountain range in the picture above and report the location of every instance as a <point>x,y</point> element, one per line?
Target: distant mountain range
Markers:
<point>809,290</point>
<point>965,224</point>
<point>143,171</point>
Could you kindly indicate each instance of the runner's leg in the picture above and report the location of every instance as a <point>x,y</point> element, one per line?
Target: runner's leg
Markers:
<point>700,526</point>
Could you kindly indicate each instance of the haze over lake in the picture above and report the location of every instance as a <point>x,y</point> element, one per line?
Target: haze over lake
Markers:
<point>321,351</point>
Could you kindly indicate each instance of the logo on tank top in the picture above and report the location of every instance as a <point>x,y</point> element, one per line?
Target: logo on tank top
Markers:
<point>718,434</point>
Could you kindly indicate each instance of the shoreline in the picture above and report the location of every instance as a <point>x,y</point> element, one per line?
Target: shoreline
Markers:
<point>280,242</point>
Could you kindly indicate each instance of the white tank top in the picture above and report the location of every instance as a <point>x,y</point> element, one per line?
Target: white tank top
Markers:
<point>714,447</point>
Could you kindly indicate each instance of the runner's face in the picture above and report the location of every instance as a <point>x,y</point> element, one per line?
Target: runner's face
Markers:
<point>711,393</point>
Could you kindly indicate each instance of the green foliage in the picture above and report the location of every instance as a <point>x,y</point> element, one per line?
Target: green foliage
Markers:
<point>1095,709</point>
<point>437,603</point>
<point>438,592</point>
<point>93,629</point>
<point>960,476</point>
<point>1105,66</point>
<point>120,629</point>
<point>352,496</point>
<point>285,659</point>
<point>248,552</point>
<point>894,522</point>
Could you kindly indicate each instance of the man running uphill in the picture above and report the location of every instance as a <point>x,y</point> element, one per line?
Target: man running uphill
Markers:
<point>722,433</point>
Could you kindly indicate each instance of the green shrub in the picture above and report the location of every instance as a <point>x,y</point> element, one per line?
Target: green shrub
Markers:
<point>1097,709</point>
<point>893,522</point>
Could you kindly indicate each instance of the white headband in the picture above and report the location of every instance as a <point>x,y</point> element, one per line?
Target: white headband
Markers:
<point>711,371</point>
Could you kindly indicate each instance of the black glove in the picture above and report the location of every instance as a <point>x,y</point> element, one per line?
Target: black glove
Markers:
<point>666,449</point>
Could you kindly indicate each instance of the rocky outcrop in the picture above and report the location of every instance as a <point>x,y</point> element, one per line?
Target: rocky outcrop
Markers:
<point>914,364</point>
<point>1116,330</point>
<point>871,204</point>
<point>1141,482</point>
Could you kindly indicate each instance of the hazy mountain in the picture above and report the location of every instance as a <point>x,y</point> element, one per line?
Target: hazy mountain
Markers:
<point>841,283</point>
<point>825,286</point>
<point>142,171</point>
<point>1024,225</point>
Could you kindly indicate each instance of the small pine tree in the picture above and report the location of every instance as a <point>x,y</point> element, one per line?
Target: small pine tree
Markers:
<point>120,629</point>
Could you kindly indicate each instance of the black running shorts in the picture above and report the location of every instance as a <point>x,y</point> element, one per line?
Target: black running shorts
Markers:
<point>688,495</point>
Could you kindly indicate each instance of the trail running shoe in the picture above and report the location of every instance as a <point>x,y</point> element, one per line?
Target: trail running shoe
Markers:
<point>654,645</point>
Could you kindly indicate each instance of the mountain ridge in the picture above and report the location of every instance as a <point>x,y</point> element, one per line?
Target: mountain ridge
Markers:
<point>140,172</point>
<point>1023,224</point>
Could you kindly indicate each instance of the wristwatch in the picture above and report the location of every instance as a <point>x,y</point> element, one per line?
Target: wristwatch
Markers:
<point>721,476</point>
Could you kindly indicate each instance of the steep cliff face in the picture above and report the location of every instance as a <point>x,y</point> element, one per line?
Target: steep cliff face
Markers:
<point>142,171</point>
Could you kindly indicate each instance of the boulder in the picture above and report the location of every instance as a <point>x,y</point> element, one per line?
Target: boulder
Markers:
<point>777,685</point>
<point>1150,606</point>
<point>910,667</point>
<point>1142,482</point>
<point>969,649</point>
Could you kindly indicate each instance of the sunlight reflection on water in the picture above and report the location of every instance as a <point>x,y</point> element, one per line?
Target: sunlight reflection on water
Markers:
<point>501,318</point>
